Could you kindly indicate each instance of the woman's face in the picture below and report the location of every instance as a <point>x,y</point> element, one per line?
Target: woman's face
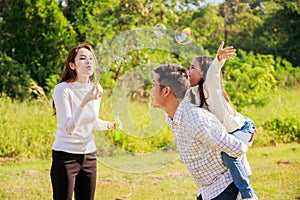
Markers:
<point>83,64</point>
<point>195,73</point>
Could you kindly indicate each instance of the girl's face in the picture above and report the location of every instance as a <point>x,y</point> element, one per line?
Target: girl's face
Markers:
<point>195,73</point>
<point>83,64</point>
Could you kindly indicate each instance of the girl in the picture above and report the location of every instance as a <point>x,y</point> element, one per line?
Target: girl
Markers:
<point>76,105</point>
<point>207,91</point>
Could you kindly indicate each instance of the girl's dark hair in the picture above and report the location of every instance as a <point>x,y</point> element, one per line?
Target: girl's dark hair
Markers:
<point>68,74</point>
<point>204,63</point>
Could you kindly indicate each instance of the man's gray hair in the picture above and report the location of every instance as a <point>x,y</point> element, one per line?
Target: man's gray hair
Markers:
<point>174,76</point>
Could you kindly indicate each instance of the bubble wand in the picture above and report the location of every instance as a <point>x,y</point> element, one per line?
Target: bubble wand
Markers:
<point>95,75</point>
<point>118,128</point>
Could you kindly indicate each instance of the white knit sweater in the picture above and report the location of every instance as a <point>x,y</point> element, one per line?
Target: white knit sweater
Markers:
<point>230,118</point>
<point>74,123</point>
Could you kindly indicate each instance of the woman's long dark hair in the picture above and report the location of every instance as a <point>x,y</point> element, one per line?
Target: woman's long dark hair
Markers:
<point>68,74</point>
<point>204,63</point>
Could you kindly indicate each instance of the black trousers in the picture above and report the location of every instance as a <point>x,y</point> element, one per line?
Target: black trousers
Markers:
<point>73,172</point>
<point>230,193</point>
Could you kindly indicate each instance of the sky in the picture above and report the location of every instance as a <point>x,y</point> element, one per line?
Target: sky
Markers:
<point>216,2</point>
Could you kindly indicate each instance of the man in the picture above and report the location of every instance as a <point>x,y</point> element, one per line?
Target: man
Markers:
<point>199,135</point>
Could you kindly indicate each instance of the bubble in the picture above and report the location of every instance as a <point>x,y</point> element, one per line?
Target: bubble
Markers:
<point>159,30</point>
<point>123,50</point>
<point>121,40</point>
<point>140,45</point>
<point>150,49</point>
<point>138,30</point>
<point>119,60</point>
<point>128,59</point>
<point>151,74</point>
<point>149,7</point>
<point>142,62</point>
<point>105,69</point>
<point>155,41</point>
<point>131,93</point>
<point>183,35</point>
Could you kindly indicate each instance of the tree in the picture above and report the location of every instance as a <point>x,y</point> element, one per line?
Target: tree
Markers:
<point>14,79</point>
<point>280,33</point>
<point>35,33</point>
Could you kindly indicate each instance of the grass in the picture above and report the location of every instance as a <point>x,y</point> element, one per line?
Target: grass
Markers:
<point>282,103</point>
<point>24,127</point>
<point>275,176</point>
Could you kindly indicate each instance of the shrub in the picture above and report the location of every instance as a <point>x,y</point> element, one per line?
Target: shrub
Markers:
<point>283,129</point>
<point>14,79</point>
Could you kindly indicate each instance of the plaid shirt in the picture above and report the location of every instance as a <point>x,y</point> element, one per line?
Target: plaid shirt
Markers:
<point>200,138</point>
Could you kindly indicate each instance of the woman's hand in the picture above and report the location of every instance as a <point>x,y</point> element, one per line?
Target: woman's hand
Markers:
<point>95,93</point>
<point>226,53</point>
<point>111,126</point>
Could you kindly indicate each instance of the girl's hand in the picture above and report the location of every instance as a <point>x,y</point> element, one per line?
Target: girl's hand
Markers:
<point>226,53</point>
<point>95,93</point>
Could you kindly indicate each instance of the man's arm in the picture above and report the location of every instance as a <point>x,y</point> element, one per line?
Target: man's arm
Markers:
<point>213,133</point>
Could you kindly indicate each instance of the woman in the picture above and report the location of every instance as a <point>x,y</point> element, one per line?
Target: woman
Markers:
<point>76,104</point>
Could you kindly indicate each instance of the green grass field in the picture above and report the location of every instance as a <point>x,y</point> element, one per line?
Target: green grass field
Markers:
<point>27,132</point>
<point>275,176</point>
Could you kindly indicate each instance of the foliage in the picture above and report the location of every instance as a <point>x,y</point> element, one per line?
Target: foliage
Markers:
<point>286,75</point>
<point>249,78</point>
<point>38,34</point>
<point>14,79</point>
<point>279,33</point>
<point>31,135</point>
<point>283,129</point>
<point>27,129</point>
<point>51,81</point>
<point>208,28</point>
<point>35,33</point>
<point>265,27</point>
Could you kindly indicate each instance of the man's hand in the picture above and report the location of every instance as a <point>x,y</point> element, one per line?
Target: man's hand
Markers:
<point>226,53</point>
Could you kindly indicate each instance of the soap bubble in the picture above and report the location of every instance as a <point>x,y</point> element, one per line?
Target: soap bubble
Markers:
<point>133,55</point>
<point>155,41</point>
<point>150,49</point>
<point>159,30</point>
<point>121,40</point>
<point>149,6</point>
<point>138,30</point>
<point>104,70</point>
<point>183,35</point>
<point>119,60</point>
<point>128,59</point>
<point>123,50</point>
<point>140,45</point>
<point>142,62</point>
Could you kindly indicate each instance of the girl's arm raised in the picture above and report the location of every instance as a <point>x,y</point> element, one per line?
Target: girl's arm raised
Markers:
<point>225,53</point>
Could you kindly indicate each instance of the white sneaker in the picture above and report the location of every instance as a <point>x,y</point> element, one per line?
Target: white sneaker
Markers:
<point>253,198</point>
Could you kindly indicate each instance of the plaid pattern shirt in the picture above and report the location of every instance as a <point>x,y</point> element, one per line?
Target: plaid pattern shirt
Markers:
<point>200,138</point>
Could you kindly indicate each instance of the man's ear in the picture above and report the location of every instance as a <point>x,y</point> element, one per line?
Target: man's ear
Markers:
<point>72,65</point>
<point>167,91</point>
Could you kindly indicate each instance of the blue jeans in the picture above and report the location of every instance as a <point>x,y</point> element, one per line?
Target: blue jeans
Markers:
<point>237,170</point>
